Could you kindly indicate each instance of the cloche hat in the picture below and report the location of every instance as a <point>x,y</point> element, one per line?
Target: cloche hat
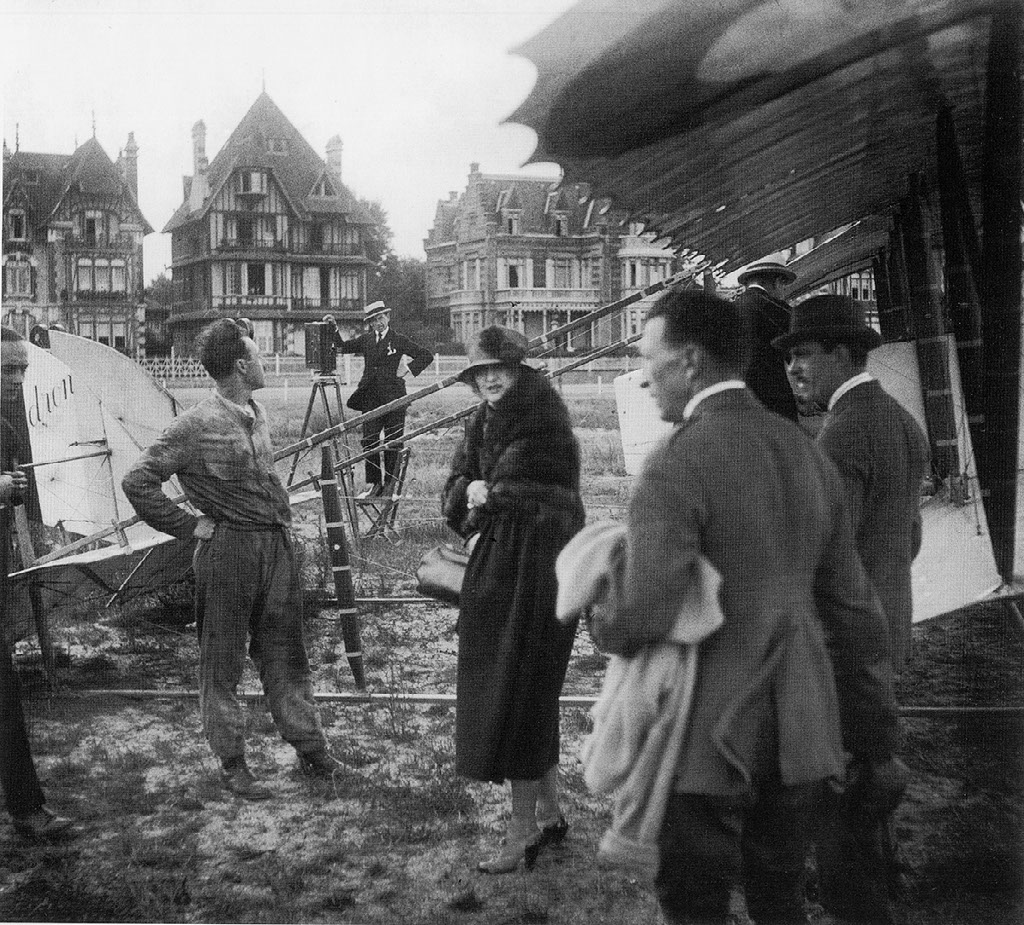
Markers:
<point>494,346</point>
<point>374,309</point>
<point>774,267</point>
<point>829,317</point>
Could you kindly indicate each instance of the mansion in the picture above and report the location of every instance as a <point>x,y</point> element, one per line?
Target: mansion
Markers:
<point>533,254</point>
<point>72,244</point>
<point>267,230</point>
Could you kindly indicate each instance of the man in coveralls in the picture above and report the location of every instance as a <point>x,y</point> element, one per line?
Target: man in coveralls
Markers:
<point>247,580</point>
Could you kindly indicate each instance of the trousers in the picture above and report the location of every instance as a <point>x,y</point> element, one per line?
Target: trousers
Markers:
<point>385,428</point>
<point>247,587</point>
<point>710,844</point>
<point>22,794</point>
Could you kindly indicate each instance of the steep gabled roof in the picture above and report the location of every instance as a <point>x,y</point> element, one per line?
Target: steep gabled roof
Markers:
<point>296,171</point>
<point>89,168</point>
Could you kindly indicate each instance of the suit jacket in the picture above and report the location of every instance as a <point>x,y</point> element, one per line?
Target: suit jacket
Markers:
<point>882,455</point>
<point>765,318</point>
<point>380,382</point>
<point>800,667</point>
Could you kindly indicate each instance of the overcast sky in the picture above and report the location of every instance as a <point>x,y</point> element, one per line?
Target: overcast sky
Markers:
<point>416,90</point>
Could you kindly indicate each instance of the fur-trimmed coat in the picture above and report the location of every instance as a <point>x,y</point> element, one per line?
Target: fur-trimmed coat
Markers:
<point>513,653</point>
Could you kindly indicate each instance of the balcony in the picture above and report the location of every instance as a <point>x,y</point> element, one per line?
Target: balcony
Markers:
<point>265,306</point>
<point>250,244</point>
<point>93,295</point>
<point>328,249</point>
<point>122,243</point>
<point>555,299</point>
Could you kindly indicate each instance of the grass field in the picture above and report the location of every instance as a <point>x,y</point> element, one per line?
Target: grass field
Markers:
<point>396,838</point>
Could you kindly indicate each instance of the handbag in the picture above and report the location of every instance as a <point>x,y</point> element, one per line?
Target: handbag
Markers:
<point>441,572</point>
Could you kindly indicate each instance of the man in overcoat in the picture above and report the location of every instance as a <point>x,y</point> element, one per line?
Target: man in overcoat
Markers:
<point>882,455</point>
<point>383,350</point>
<point>873,440</point>
<point>799,670</point>
<point>766,315</point>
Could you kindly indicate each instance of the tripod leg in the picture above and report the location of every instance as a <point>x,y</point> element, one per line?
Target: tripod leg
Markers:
<point>304,431</point>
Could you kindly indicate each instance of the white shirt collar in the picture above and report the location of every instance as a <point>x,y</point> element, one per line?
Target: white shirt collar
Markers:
<point>382,334</point>
<point>691,405</point>
<point>850,383</point>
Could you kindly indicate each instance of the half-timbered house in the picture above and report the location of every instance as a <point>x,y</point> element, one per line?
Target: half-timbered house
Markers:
<point>269,231</point>
<point>72,243</point>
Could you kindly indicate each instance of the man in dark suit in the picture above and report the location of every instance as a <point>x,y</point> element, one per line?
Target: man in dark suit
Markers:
<point>383,351</point>
<point>23,796</point>
<point>798,673</point>
<point>766,316</point>
<point>875,443</point>
<point>882,456</point>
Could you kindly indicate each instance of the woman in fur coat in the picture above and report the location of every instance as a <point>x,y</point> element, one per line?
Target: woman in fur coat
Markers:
<point>515,482</point>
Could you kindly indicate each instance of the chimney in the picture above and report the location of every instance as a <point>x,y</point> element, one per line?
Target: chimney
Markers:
<point>474,169</point>
<point>199,161</point>
<point>199,189</point>
<point>131,164</point>
<point>334,146</point>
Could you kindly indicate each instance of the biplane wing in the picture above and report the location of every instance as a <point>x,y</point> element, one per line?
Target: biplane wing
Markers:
<point>90,412</point>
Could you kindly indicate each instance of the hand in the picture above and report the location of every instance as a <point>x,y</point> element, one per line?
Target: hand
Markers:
<point>12,484</point>
<point>204,528</point>
<point>329,319</point>
<point>476,493</point>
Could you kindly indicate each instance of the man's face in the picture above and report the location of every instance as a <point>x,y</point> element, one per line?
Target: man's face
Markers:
<point>379,323</point>
<point>13,363</point>
<point>253,376</point>
<point>815,373</point>
<point>667,372</point>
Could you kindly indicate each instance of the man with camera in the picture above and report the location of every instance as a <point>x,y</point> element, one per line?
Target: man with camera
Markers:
<point>383,351</point>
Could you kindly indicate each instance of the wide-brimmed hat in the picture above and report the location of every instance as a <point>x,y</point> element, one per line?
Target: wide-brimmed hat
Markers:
<point>494,346</point>
<point>829,317</point>
<point>374,309</point>
<point>773,267</point>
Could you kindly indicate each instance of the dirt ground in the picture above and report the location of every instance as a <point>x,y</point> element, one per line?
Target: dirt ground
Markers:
<point>396,837</point>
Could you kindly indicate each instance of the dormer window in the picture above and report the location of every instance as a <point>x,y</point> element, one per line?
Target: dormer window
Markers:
<point>277,145</point>
<point>561,226</point>
<point>323,188</point>
<point>510,222</point>
<point>32,177</point>
<point>17,227</point>
<point>252,181</point>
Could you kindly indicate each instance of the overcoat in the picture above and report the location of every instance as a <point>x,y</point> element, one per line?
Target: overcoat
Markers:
<point>881,454</point>
<point>765,318</point>
<point>513,653</point>
<point>380,382</point>
<point>799,669</point>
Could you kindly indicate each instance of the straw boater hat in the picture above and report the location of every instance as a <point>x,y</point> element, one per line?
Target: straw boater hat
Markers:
<point>374,309</point>
<point>494,346</point>
<point>766,267</point>
<point>829,317</point>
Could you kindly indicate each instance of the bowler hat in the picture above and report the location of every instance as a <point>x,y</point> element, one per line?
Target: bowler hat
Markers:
<point>766,267</point>
<point>829,317</point>
<point>374,309</point>
<point>494,346</point>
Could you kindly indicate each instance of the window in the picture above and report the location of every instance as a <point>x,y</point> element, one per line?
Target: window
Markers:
<point>233,280</point>
<point>252,181</point>
<point>513,277</point>
<point>561,226</point>
<point>101,275</point>
<point>257,278</point>
<point>17,278</point>
<point>17,225</point>
<point>32,177</point>
<point>277,145</point>
<point>349,288</point>
<point>512,224</point>
<point>323,188</point>
<point>118,276</point>
<point>563,273</point>
<point>84,276</point>
<point>540,272</point>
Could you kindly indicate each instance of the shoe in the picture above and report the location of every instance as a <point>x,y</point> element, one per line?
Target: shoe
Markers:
<point>320,763</point>
<point>42,825</point>
<point>510,856</point>
<point>554,832</point>
<point>242,782</point>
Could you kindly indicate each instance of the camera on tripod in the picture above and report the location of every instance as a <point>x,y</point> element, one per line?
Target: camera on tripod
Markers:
<point>321,352</point>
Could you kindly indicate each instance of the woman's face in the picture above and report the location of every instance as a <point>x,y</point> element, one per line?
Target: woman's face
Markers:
<point>492,382</point>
